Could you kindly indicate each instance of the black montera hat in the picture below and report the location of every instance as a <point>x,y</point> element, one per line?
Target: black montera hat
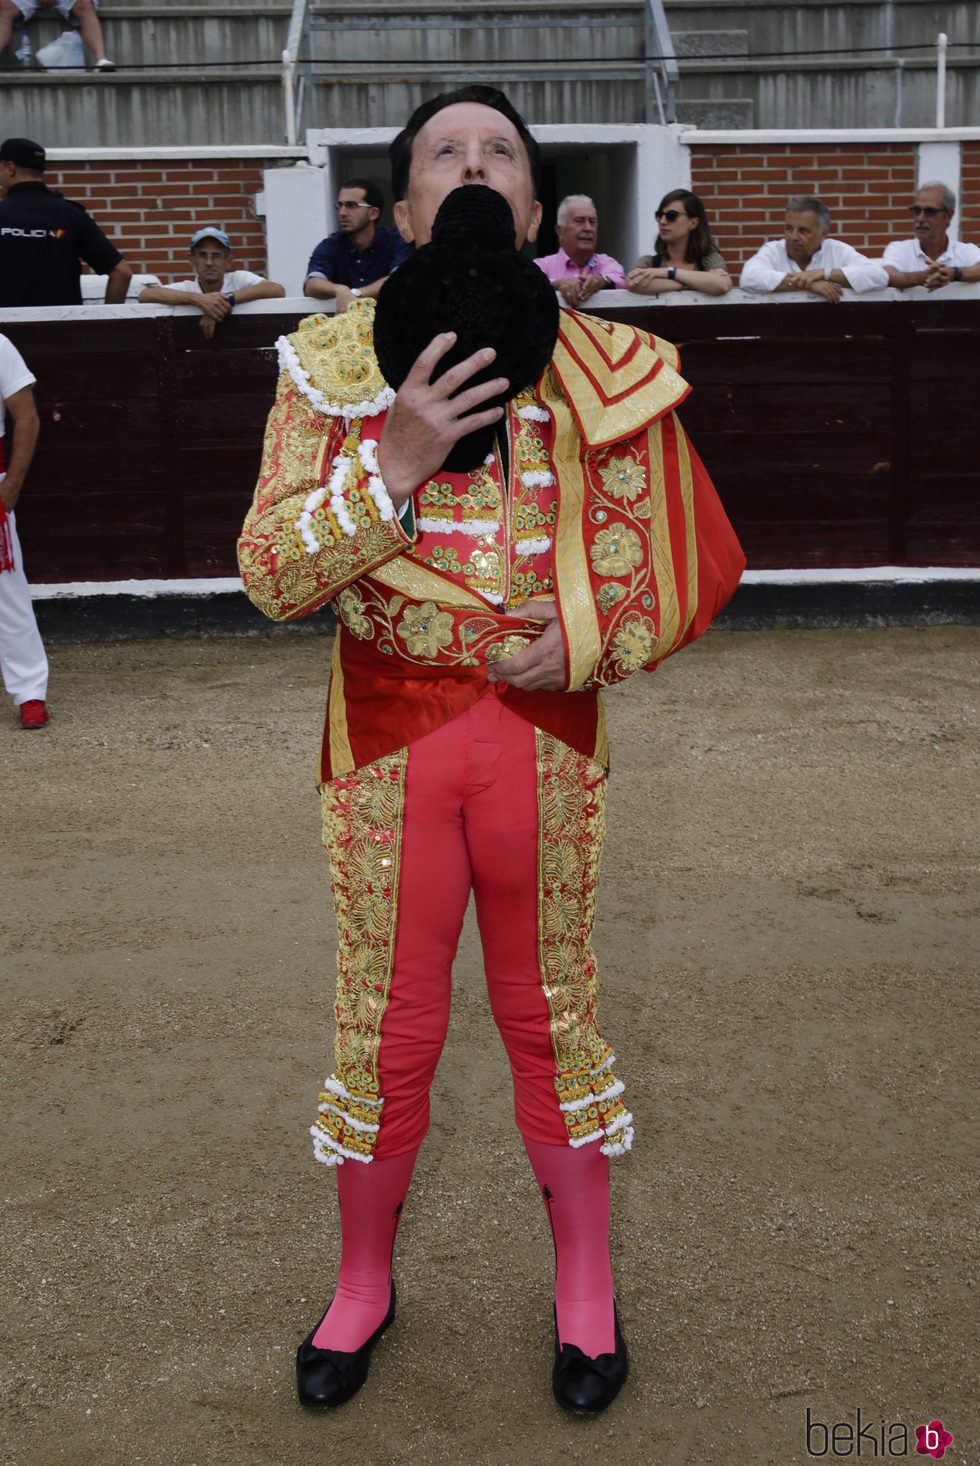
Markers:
<point>472,280</point>
<point>23,153</point>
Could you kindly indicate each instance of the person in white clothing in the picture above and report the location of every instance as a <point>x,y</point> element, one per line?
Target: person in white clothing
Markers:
<point>215,289</point>
<point>22,659</point>
<point>805,259</point>
<point>931,259</point>
<point>84,12</point>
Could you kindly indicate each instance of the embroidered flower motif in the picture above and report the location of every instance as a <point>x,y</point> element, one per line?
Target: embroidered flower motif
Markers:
<point>623,478</point>
<point>425,630</point>
<point>510,646</point>
<point>633,642</point>
<point>616,551</point>
<point>350,609</point>
<point>609,595</point>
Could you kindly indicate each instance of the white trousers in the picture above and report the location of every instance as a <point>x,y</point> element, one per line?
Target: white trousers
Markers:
<point>22,660</point>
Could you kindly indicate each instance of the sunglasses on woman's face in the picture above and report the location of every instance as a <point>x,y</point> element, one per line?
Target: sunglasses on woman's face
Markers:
<point>671,214</point>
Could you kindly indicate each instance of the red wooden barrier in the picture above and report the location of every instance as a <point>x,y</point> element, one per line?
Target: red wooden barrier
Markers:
<point>837,435</point>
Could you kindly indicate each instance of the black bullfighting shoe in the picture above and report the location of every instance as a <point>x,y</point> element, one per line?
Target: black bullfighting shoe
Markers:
<point>326,1378</point>
<point>586,1386</point>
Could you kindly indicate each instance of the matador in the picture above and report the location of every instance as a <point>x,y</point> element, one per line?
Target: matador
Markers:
<point>480,613</point>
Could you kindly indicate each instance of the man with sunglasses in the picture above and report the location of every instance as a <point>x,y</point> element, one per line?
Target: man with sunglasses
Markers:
<point>356,260</point>
<point>931,258</point>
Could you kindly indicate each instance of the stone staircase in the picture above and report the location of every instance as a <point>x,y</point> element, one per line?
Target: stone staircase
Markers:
<point>193,73</point>
<point>207,71</point>
<point>746,65</point>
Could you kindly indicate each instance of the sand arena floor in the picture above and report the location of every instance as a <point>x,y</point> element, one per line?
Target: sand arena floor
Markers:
<point>787,931</point>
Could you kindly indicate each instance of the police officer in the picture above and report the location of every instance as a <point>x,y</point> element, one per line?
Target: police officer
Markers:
<point>43,236</point>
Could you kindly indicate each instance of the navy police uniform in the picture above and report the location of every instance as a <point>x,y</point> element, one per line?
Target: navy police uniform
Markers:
<point>42,238</point>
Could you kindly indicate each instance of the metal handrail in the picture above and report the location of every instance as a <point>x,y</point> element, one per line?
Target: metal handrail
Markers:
<point>296,69</point>
<point>660,64</point>
<point>665,71</point>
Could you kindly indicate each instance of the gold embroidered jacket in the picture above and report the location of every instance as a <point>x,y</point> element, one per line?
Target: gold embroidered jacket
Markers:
<point>602,505</point>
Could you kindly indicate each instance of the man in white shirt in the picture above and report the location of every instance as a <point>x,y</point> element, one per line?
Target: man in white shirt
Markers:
<point>22,659</point>
<point>215,289</point>
<point>931,258</point>
<point>805,259</point>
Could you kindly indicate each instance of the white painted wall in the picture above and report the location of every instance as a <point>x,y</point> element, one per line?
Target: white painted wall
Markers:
<point>644,162</point>
<point>939,162</point>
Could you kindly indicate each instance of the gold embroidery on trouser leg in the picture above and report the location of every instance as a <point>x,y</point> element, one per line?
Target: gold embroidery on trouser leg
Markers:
<point>571,826</point>
<point>362,830</point>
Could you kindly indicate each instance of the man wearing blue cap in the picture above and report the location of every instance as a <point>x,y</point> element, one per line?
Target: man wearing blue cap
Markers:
<point>215,290</point>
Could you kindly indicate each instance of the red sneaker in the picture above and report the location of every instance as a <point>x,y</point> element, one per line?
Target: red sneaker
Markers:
<point>33,714</point>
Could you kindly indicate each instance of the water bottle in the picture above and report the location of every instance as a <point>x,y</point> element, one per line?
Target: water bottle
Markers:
<point>24,52</point>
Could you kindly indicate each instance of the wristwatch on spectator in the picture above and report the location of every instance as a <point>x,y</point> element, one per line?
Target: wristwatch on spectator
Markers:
<point>230,297</point>
<point>957,273</point>
<point>826,272</point>
<point>671,272</point>
<point>356,293</point>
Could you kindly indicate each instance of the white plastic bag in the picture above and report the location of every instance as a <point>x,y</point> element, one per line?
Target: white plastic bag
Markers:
<point>64,54</point>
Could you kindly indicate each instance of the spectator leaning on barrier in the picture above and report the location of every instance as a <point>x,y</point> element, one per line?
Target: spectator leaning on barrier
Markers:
<point>22,659</point>
<point>931,259</point>
<point>805,259</point>
<point>685,257</point>
<point>83,11</point>
<point>357,258</point>
<point>576,271</point>
<point>43,236</point>
<point>215,290</point>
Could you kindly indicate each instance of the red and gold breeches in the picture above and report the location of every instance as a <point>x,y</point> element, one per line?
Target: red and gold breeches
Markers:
<point>491,804</point>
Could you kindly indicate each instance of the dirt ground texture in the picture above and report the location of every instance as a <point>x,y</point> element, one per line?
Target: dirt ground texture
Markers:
<point>787,931</point>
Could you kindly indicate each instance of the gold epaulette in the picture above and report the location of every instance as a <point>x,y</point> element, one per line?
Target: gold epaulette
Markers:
<point>616,378</point>
<point>332,362</point>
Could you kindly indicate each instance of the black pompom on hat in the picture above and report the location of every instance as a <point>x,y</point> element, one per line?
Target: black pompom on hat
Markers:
<point>470,279</point>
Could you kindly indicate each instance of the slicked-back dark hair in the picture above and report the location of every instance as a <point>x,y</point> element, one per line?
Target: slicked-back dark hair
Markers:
<point>372,193</point>
<point>400,152</point>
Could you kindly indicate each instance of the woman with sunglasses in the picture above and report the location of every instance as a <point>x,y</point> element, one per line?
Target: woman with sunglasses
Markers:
<point>685,256</point>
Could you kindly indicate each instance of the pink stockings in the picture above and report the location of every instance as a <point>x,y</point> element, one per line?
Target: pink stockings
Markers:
<point>371,1199</point>
<point>574,1182</point>
<point>575,1185</point>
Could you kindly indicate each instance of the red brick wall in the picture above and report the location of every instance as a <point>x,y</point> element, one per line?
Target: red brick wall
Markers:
<point>150,209</point>
<point>970,192</point>
<point>866,186</point>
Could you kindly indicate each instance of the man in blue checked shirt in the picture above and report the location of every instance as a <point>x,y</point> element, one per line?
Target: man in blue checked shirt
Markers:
<point>357,258</point>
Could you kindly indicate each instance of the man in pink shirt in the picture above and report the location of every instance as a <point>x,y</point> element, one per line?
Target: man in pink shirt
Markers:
<point>576,271</point>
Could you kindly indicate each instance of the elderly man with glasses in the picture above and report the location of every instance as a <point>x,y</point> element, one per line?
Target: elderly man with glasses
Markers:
<point>356,260</point>
<point>931,258</point>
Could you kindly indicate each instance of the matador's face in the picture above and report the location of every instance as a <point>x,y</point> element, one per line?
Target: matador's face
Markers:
<point>467,143</point>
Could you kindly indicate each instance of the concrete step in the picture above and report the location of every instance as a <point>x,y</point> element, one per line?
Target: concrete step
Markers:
<point>857,92</point>
<point>843,27</point>
<point>717,113</point>
<point>177,35</point>
<point>710,43</point>
<point>219,106</point>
